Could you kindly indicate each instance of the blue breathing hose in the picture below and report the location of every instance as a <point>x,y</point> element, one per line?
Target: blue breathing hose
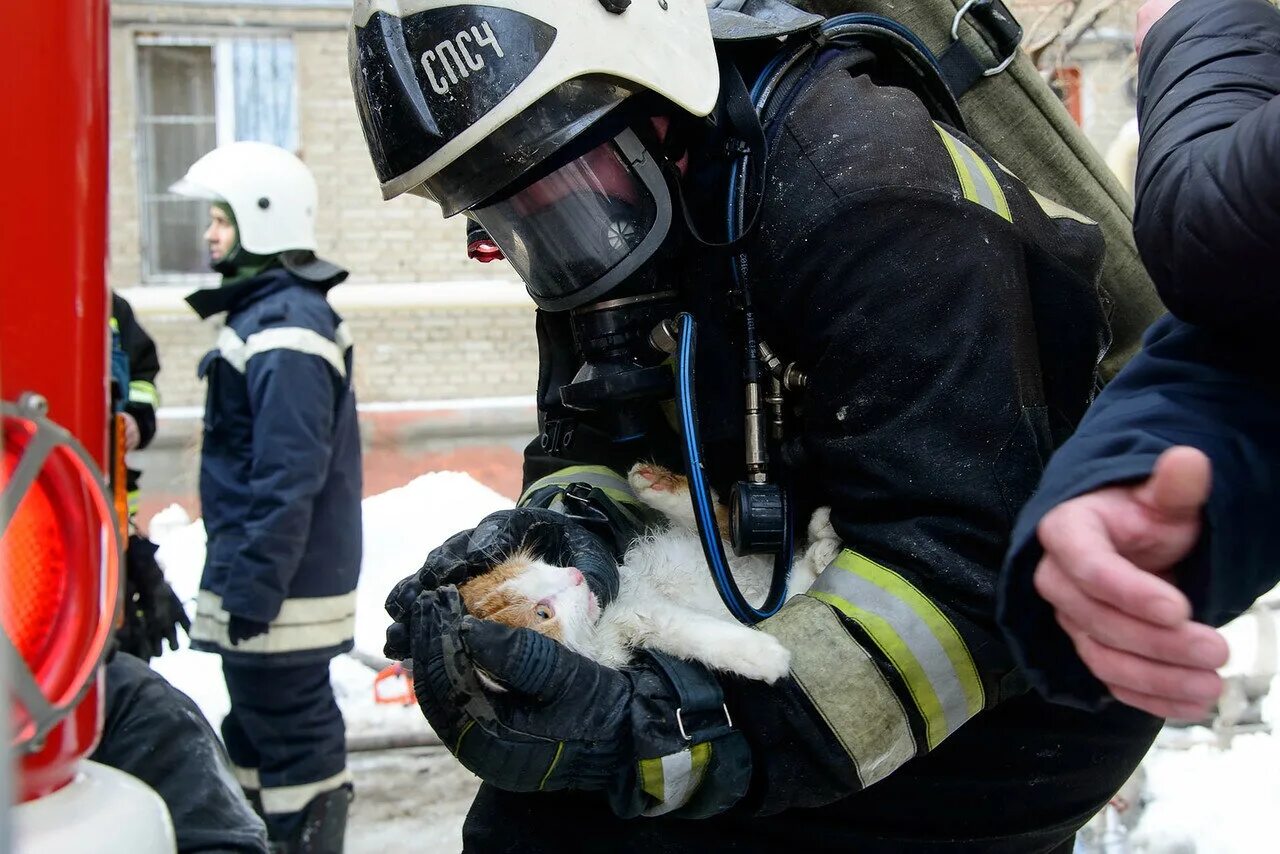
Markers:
<point>700,494</point>
<point>686,398</point>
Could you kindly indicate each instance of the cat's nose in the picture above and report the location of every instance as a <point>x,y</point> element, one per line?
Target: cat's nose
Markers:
<point>576,577</point>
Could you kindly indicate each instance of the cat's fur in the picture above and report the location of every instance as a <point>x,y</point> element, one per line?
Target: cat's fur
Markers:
<point>667,600</point>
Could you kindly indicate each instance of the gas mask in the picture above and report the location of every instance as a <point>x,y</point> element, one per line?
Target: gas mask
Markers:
<point>588,233</point>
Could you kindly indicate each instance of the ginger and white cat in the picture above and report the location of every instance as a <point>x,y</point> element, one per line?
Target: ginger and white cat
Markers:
<point>666,601</point>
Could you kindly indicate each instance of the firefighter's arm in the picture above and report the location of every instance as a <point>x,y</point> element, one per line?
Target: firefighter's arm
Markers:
<point>913,433</point>
<point>293,394</point>
<point>143,399</point>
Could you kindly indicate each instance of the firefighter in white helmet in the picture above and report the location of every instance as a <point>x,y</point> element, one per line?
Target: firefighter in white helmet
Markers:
<point>280,489</point>
<point>887,324</point>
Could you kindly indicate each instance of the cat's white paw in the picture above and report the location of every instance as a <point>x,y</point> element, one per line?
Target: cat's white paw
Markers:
<point>824,546</point>
<point>663,491</point>
<point>820,527</point>
<point>754,655</point>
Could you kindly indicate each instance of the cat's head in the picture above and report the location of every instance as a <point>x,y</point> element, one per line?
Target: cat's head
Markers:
<point>527,593</point>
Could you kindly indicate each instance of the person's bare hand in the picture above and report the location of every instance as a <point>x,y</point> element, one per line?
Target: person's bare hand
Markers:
<point>1107,571</point>
<point>1148,14</point>
<point>132,435</point>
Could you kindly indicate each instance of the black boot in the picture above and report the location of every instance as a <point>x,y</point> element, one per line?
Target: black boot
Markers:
<point>323,825</point>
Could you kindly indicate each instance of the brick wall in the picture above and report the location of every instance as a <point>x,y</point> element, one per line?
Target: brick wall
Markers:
<point>406,240</point>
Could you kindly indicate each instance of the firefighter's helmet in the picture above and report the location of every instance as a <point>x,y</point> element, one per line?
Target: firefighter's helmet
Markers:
<point>271,192</point>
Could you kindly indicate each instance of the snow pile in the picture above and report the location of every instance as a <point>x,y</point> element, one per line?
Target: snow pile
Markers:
<point>400,528</point>
<point>1226,801</point>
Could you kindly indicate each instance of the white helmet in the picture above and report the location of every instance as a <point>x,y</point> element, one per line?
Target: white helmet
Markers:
<point>451,91</point>
<point>270,191</point>
<point>468,101</point>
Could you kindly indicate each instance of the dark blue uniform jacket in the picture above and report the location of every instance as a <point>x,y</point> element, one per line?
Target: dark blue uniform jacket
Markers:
<point>280,479</point>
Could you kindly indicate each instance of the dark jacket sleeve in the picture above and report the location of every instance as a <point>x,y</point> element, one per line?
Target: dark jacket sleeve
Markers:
<point>293,400</point>
<point>142,398</point>
<point>1208,191</point>
<point>154,732</point>
<point>1184,388</point>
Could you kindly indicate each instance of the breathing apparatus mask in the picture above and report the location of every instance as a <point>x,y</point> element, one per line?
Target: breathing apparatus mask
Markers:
<point>590,233</point>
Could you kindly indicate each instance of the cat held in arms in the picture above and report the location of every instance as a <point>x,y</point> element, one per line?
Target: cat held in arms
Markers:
<point>667,600</point>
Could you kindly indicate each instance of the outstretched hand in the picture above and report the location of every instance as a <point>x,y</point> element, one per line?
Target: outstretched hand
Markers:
<point>1107,570</point>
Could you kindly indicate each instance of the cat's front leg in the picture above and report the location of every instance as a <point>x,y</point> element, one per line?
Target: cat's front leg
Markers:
<point>719,643</point>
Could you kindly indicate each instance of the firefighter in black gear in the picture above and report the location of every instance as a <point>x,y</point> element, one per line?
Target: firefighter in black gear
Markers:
<point>942,328</point>
<point>140,398</point>
<point>153,613</point>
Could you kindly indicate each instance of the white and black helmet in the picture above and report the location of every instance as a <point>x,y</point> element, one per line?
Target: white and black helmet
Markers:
<point>496,107</point>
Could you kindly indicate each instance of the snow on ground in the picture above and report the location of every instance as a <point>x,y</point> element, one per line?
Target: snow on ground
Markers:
<point>1224,801</point>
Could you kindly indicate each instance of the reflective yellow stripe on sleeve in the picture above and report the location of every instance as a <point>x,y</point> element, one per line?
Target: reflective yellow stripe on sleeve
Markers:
<point>605,479</point>
<point>672,780</point>
<point>977,181</point>
<point>913,634</point>
<point>141,391</point>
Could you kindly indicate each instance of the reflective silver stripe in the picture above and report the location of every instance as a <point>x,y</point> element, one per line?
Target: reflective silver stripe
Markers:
<point>281,800</point>
<point>672,780</point>
<point>246,777</point>
<point>141,391</point>
<point>925,648</point>
<point>303,624</point>
<point>976,178</point>
<point>846,687</point>
<point>238,353</point>
<point>343,338</point>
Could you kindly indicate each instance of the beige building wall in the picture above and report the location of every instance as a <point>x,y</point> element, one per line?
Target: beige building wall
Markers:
<point>405,240</point>
<point>449,328</point>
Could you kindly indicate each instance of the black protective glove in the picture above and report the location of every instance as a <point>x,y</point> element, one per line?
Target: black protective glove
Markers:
<point>567,722</point>
<point>653,738</point>
<point>552,536</point>
<point>241,629</point>
<point>153,612</point>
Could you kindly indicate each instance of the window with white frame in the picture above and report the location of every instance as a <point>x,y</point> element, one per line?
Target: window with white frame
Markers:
<point>195,93</point>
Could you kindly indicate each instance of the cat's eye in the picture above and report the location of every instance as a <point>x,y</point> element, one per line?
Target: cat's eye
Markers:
<point>545,612</point>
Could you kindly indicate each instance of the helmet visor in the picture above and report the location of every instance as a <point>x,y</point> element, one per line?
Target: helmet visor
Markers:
<point>578,231</point>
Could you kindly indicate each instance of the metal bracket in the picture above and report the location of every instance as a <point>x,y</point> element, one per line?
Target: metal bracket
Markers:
<point>971,6</point>
<point>680,721</point>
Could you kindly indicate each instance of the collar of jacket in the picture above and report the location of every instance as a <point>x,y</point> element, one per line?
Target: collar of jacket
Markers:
<point>210,301</point>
